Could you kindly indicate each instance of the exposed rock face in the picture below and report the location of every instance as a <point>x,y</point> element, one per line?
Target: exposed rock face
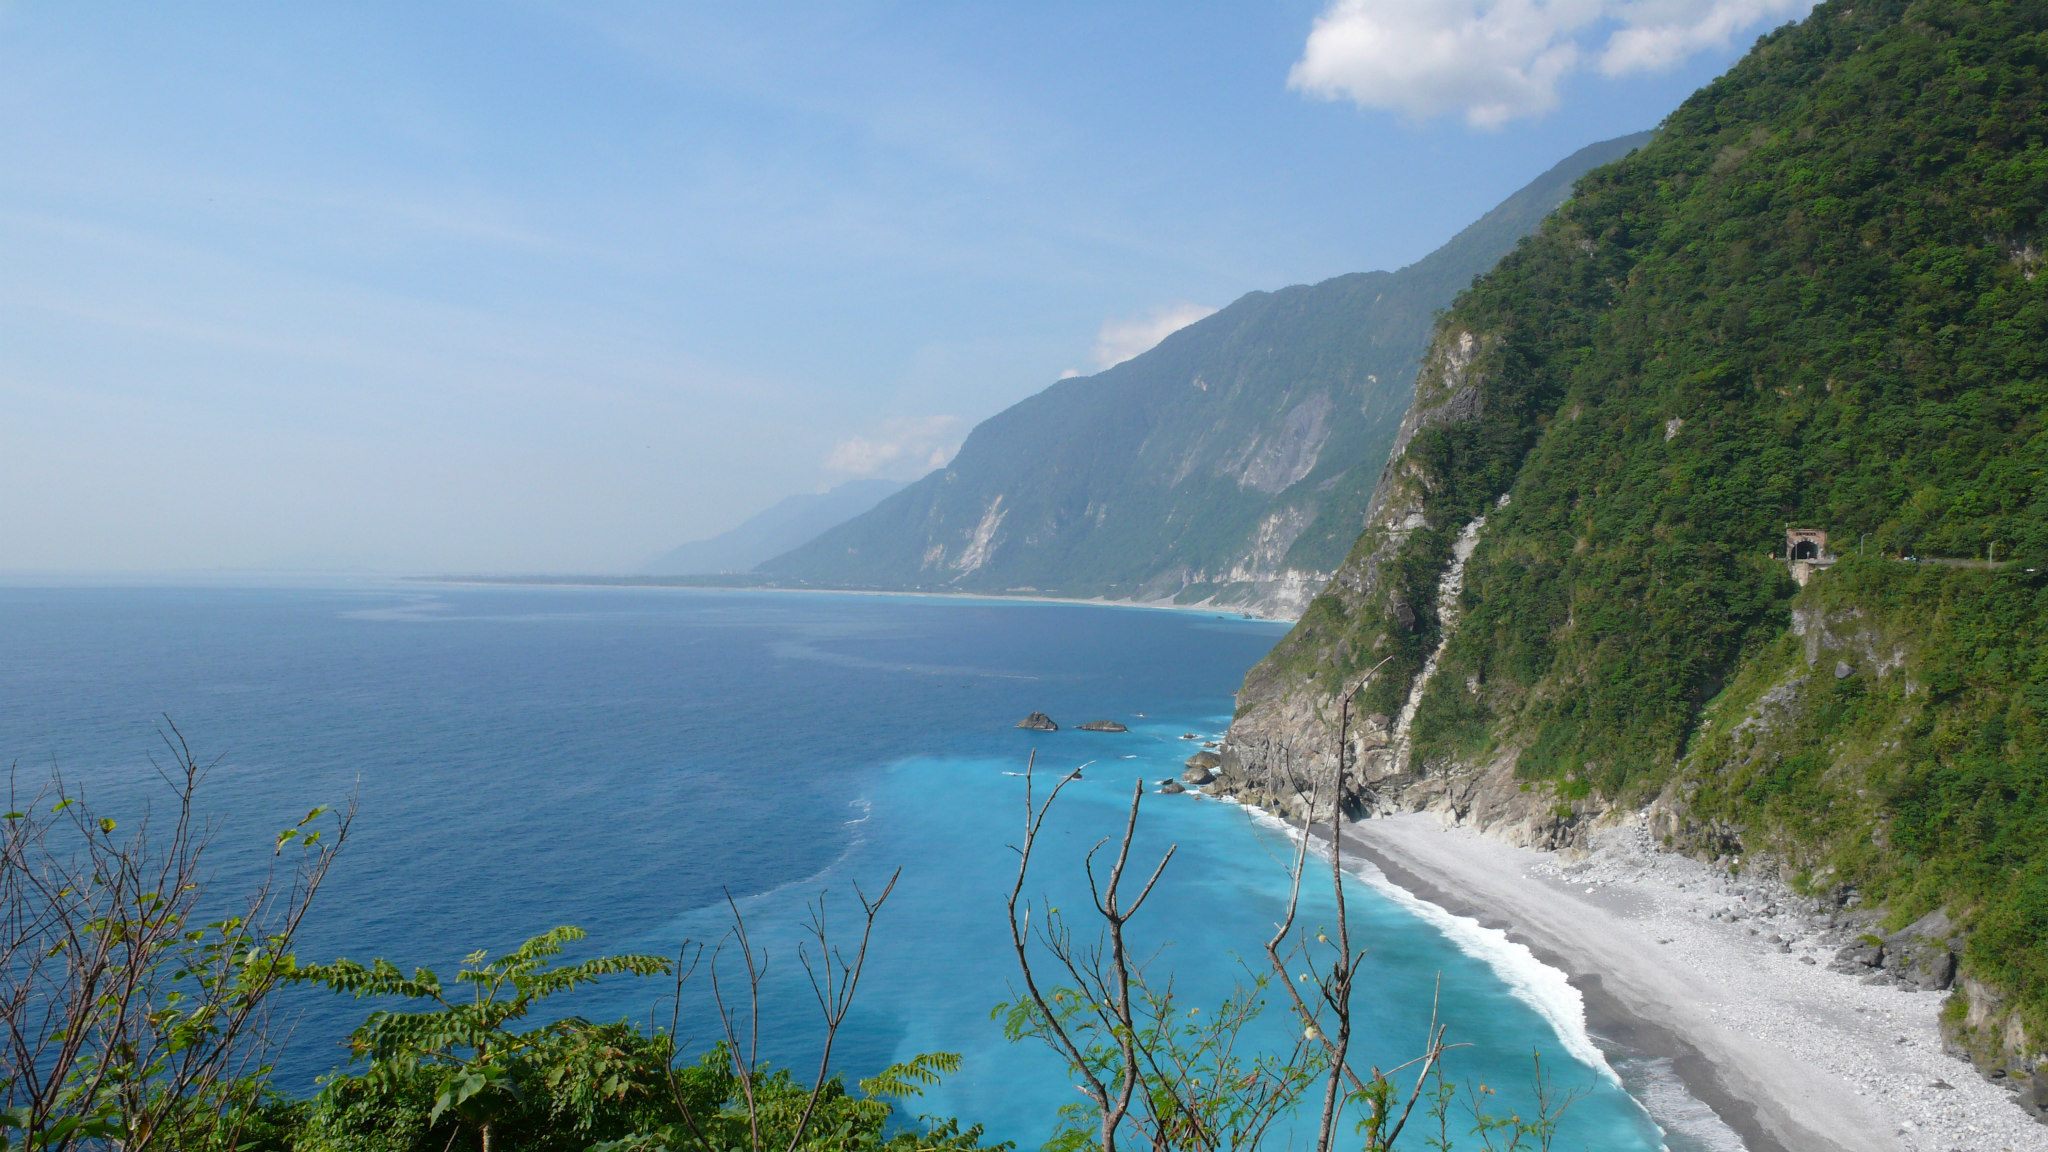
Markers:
<point>1038,722</point>
<point>1102,726</point>
<point>1921,955</point>
<point>1989,1034</point>
<point>1285,736</point>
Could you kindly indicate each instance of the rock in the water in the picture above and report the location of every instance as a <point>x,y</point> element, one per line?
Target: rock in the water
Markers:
<point>1038,722</point>
<point>1209,760</point>
<point>1198,775</point>
<point>1103,726</point>
<point>1172,788</point>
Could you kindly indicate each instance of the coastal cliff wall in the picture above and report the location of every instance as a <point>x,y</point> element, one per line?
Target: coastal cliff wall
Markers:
<point>1799,306</point>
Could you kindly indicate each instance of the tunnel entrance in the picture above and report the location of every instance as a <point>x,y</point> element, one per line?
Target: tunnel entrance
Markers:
<point>1806,550</point>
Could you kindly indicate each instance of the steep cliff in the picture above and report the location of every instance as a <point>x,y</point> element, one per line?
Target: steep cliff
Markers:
<point>1814,300</point>
<point>1231,464</point>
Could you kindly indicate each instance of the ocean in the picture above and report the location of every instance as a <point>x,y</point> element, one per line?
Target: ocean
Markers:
<point>628,760</point>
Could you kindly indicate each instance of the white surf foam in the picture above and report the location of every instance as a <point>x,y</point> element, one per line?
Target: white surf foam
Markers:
<point>1544,989</point>
<point>1682,1116</point>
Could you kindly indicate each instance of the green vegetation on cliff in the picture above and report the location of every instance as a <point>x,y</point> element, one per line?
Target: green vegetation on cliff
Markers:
<point>1813,300</point>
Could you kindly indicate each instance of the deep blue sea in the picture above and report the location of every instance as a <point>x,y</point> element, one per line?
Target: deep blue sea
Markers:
<point>622,759</point>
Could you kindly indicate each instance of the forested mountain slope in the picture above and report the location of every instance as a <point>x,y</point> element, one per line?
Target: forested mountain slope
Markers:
<point>1232,463</point>
<point>1815,300</point>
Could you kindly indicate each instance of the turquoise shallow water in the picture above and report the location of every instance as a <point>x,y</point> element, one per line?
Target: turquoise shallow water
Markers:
<point>623,759</point>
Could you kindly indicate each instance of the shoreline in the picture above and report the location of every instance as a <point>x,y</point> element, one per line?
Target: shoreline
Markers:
<point>1606,1019</point>
<point>1226,611</point>
<point>1790,1056</point>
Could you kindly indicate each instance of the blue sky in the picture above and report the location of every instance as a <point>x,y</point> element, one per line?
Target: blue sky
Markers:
<point>539,287</point>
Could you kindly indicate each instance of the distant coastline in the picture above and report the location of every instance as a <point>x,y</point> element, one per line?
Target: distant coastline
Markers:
<point>741,582</point>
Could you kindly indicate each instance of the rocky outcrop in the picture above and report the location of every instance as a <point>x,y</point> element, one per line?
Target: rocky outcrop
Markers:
<point>1102,726</point>
<point>1978,1024</point>
<point>1922,955</point>
<point>1038,722</point>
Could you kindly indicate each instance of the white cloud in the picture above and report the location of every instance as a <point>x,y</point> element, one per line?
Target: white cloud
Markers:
<point>1660,34</point>
<point>1493,61</point>
<point>1120,339</point>
<point>904,447</point>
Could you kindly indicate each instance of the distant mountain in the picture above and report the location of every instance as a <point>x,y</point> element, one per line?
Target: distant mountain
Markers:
<point>773,531</point>
<point>1231,464</point>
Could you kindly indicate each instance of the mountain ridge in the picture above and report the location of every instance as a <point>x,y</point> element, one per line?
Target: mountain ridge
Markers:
<point>773,530</point>
<point>1231,464</point>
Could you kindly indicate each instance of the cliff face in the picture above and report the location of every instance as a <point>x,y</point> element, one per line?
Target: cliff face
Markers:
<point>1232,464</point>
<point>1810,302</point>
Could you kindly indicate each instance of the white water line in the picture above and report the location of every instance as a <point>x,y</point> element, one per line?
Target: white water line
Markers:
<point>1448,587</point>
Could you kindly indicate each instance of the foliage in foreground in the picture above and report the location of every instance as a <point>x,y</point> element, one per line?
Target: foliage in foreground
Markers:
<point>616,1088</point>
<point>127,1027</point>
<point>134,1015</point>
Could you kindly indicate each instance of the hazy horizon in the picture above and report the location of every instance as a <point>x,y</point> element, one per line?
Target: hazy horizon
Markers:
<point>527,288</point>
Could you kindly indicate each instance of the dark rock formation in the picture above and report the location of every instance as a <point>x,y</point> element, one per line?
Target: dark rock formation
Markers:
<point>1921,955</point>
<point>1172,788</point>
<point>1988,1032</point>
<point>1860,958</point>
<point>1103,726</point>
<point>1038,722</point>
<point>1198,775</point>
<point>1204,760</point>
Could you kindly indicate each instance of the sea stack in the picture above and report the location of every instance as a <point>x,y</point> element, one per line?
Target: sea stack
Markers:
<point>1038,722</point>
<point>1103,726</point>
